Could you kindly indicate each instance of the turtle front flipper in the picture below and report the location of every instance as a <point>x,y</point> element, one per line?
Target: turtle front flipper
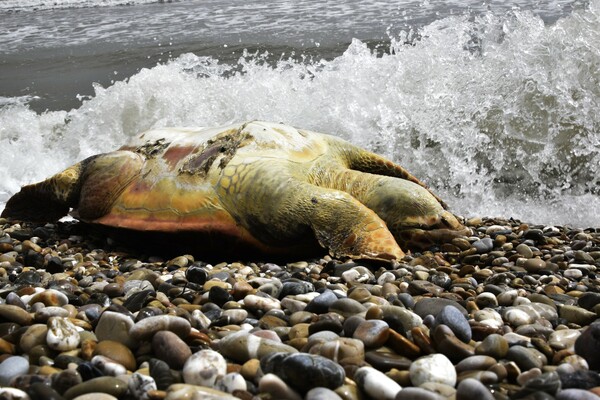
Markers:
<point>282,209</point>
<point>90,186</point>
<point>359,159</point>
<point>348,228</point>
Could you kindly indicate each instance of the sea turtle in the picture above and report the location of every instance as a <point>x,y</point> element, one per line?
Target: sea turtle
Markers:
<point>265,185</point>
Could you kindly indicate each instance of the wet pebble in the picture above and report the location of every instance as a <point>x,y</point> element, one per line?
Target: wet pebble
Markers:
<point>373,333</point>
<point>105,384</point>
<point>62,334</point>
<point>376,384</point>
<point>12,367</point>
<point>456,321</point>
<point>147,327</point>
<point>169,347</point>
<point>304,371</point>
<point>204,368</point>
<point>432,368</point>
<point>242,346</point>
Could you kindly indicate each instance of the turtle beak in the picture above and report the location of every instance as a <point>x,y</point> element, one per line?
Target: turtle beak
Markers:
<point>423,232</point>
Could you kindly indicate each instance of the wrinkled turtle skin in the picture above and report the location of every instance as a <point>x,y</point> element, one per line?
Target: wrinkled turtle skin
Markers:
<point>268,186</point>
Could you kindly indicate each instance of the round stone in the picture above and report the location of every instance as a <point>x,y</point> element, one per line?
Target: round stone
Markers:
<point>115,326</point>
<point>576,394</point>
<point>486,299</point>
<point>321,393</point>
<point>345,351</point>
<point>524,250</point>
<point>414,393</point>
<point>304,371</point>
<point>563,338</point>
<point>433,306</point>
<point>385,361</point>
<point>406,318</point>
<point>347,307</point>
<point>277,388</point>
<point>108,366</point>
<point>322,302</point>
<point>147,327</point>
<point>478,362</point>
<point>432,368</point>
<point>95,396</point>
<point>577,315</point>
<point>15,314</point>
<point>517,317</point>
<point>449,345</point>
<point>116,351</point>
<point>242,346</point>
<point>62,334</point>
<point>493,345</point>
<point>587,345</point>
<point>456,321</point>
<point>13,394</point>
<point>483,245</point>
<point>139,385</point>
<point>232,382</point>
<point>589,300</point>
<point>50,297</point>
<point>373,333</point>
<point>534,265</point>
<point>33,336</point>
<point>64,380</point>
<point>39,390</point>
<point>255,302</point>
<point>526,358</point>
<point>204,368</point>
<point>170,348</point>
<point>12,367</point>
<point>104,384</point>
<point>376,384</point>
<point>469,389</point>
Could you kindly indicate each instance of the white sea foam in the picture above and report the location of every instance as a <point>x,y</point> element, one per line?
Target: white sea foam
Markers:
<point>499,114</point>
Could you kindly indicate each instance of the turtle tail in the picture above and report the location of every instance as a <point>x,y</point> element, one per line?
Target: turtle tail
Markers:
<point>49,200</point>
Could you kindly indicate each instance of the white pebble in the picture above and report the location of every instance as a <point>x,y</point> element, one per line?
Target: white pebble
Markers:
<point>62,334</point>
<point>140,384</point>
<point>204,368</point>
<point>517,317</point>
<point>231,382</point>
<point>13,394</point>
<point>376,384</point>
<point>253,301</point>
<point>108,366</point>
<point>432,368</point>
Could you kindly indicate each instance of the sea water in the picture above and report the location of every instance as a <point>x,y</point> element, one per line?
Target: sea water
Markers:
<point>496,107</point>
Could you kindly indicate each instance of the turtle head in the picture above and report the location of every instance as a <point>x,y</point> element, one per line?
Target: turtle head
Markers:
<point>413,214</point>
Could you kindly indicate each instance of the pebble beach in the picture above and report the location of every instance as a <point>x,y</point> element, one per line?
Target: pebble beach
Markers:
<point>508,312</point>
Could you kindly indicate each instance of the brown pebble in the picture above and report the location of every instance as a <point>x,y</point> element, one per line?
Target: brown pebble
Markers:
<point>15,314</point>
<point>402,345</point>
<point>171,349</point>
<point>6,347</point>
<point>250,369</point>
<point>87,349</point>
<point>116,351</point>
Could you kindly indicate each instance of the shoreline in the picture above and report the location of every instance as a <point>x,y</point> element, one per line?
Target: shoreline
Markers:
<point>509,307</point>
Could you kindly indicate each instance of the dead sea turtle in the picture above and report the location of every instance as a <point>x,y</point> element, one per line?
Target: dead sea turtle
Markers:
<point>266,185</point>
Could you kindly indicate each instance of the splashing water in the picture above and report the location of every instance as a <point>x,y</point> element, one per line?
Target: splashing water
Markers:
<point>499,114</point>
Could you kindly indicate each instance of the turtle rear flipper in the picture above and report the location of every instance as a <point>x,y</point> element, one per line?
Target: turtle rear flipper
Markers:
<point>35,204</point>
<point>48,200</point>
<point>90,187</point>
